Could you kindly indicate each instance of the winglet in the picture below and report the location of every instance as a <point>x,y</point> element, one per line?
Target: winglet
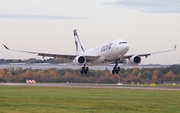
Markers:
<point>6,47</point>
<point>175,46</point>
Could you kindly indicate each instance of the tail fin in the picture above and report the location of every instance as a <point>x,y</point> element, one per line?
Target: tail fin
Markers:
<point>79,47</point>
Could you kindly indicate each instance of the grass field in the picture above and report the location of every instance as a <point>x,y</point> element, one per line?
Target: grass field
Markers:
<point>19,99</point>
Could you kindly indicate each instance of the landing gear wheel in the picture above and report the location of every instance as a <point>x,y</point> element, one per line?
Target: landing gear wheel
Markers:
<point>118,68</point>
<point>81,71</point>
<point>84,70</point>
<point>115,70</point>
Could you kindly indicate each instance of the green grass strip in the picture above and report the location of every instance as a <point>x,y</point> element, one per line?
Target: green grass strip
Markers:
<point>19,99</point>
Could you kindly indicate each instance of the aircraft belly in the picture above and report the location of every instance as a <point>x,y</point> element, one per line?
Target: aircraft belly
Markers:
<point>98,61</point>
<point>111,55</point>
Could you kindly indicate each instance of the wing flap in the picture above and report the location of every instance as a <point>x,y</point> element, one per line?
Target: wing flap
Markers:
<point>57,55</point>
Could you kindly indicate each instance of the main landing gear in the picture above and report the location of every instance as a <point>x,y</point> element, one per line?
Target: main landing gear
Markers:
<point>115,68</point>
<point>84,69</point>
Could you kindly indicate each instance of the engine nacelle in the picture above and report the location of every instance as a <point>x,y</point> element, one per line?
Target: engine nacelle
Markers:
<point>79,60</point>
<point>135,60</point>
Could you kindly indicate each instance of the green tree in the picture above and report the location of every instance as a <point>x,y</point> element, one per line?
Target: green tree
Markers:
<point>146,74</point>
<point>175,69</point>
<point>177,78</point>
<point>135,71</point>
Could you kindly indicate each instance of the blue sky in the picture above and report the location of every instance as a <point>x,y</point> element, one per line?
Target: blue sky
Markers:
<point>47,25</point>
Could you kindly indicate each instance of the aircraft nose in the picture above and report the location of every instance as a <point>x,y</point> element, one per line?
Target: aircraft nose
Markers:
<point>125,48</point>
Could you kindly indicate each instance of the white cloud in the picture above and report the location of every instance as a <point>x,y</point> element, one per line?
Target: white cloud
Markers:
<point>152,6</point>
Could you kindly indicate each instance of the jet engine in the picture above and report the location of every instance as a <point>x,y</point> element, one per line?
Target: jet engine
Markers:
<point>135,60</point>
<point>79,60</point>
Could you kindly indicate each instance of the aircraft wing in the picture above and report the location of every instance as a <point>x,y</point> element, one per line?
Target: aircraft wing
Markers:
<point>56,55</point>
<point>128,56</point>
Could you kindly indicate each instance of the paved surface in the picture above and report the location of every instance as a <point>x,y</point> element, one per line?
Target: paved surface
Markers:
<point>80,85</point>
<point>67,66</point>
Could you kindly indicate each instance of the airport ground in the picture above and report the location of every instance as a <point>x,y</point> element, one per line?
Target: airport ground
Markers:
<point>87,98</point>
<point>108,86</point>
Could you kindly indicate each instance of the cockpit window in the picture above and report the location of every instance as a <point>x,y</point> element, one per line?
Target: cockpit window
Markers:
<point>122,42</point>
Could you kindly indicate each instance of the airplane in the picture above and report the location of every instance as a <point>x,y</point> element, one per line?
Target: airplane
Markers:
<point>114,51</point>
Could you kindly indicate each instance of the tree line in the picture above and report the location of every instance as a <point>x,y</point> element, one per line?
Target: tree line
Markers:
<point>136,75</point>
<point>33,60</point>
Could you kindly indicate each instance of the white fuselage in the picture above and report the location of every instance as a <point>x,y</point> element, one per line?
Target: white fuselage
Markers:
<point>108,51</point>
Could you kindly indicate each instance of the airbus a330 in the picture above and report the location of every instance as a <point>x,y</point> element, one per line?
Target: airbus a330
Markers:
<point>114,51</point>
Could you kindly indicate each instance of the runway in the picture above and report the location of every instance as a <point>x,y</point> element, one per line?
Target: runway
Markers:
<point>86,85</point>
<point>70,66</point>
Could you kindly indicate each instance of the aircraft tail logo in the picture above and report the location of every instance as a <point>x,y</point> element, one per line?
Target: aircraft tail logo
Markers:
<point>79,47</point>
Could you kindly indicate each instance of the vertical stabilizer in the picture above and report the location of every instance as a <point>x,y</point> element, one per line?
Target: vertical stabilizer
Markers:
<point>79,47</point>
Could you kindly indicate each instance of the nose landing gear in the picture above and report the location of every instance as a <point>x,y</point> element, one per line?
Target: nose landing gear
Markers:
<point>115,68</point>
